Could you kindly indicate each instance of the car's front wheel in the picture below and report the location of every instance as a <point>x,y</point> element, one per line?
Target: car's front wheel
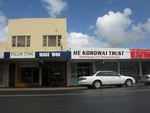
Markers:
<point>147,83</point>
<point>97,84</point>
<point>128,83</point>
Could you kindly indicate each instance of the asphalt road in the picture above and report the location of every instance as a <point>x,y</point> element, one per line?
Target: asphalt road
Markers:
<point>104,100</point>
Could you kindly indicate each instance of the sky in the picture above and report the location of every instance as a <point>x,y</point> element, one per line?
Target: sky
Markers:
<point>90,23</point>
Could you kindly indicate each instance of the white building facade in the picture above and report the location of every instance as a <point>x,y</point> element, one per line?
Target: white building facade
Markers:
<point>129,62</point>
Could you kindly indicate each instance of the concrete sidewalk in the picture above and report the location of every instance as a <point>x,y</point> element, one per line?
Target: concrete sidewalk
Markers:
<point>43,88</point>
<point>54,88</point>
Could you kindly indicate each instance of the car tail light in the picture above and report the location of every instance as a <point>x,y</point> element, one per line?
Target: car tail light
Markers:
<point>147,77</point>
<point>82,78</point>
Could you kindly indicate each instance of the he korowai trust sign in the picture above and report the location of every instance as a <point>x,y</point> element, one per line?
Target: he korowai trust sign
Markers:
<point>100,54</point>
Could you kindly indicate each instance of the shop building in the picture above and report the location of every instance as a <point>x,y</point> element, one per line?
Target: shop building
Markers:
<point>47,69</point>
<point>129,62</point>
<point>37,53</point>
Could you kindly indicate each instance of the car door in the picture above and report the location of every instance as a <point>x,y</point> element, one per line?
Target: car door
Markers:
<point>116,78</point>
<point>104,77</point>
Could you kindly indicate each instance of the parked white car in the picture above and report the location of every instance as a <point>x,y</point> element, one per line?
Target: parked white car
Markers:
<point>101,78</point>
<point>145,79</point>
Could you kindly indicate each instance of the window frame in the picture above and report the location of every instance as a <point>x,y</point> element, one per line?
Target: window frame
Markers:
<point>52,40</point>
<point>13,41</point>
<point>18,42</point>
<point>21,41</point>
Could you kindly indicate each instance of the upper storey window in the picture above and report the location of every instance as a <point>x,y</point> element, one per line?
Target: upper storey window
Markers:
<point>51,40</point>
<point>20,41</point>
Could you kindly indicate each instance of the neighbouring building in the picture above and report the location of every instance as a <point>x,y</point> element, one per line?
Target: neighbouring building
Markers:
<point>129,62</point>
<point>4,71</point>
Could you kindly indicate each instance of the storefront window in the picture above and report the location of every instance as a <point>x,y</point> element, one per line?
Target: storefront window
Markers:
<point>28,75</point>
<point>84,64</point>
<point>58,73</point>
<point>129,69</point>
<point>52,76</point>
<point>112,66</point>
<point>145,68</point>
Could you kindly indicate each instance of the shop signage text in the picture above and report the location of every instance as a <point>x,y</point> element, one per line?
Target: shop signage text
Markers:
<point>53,54</point>
<point>29,64</point>
<point>49,54</point>
<point>22,54</point>
<point>140,53</point>
<point>100,54</point>
<point>120,53</point>
<point>1,54</point>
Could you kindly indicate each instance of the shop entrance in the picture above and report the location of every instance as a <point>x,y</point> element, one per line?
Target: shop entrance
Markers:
<point>84,71</point>
<point>78,70</point>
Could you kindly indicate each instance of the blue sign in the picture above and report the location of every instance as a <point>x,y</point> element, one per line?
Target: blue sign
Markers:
<point>60,54</point>
<point>6,54</point>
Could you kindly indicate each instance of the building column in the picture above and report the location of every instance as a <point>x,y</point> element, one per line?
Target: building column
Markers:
<point>68,72</point>
<point>94,66</point>
<point>40,76</point>
<point>6,75</point>
<point>140,68</point>
<point>118,66</point>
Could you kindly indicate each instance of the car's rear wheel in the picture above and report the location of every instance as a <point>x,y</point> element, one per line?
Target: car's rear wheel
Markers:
<point>97,84</point>
<point>128,83</point>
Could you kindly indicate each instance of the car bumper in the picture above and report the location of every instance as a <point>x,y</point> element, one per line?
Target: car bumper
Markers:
<point>84,83</point>
<point>144,80</point>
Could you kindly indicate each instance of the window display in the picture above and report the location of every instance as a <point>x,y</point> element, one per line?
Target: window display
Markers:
<point>128,70</point>
<point>28,75</point>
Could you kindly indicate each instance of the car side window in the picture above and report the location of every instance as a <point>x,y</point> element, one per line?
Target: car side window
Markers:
<point>103,74</point>
<point>114,74</point>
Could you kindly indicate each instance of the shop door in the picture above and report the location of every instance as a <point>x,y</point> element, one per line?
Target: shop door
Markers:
<point>78,70</point>
<point>83,71</point>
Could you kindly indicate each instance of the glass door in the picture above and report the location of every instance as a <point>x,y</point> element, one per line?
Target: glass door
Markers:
<point>84,71</point>
<point>78,70</point>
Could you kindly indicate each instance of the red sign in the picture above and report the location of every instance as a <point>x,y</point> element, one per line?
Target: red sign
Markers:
<point>140,53</point>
